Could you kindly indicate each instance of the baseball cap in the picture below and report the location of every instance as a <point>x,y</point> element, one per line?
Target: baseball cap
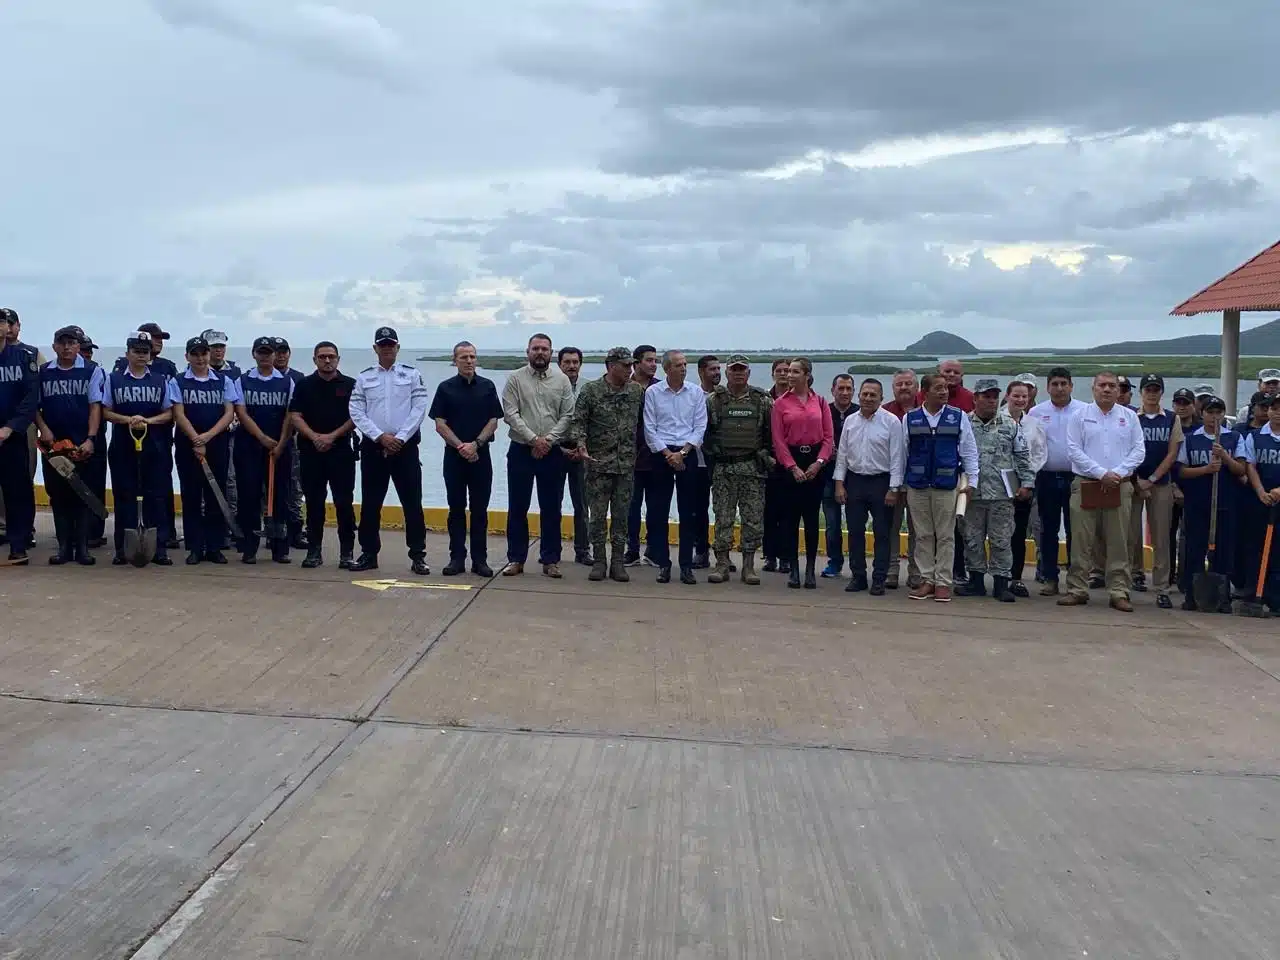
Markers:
<point>1211,403</point>
<point>154,330</point>
<point>1204,390</point>
<point>141,340</point>
<point>264,343</point>
<point>1151,380</point>
<point>1272,399</point>
<point>282,344</point>
<point>1182,393</point>
<point>385,335</point>
<point>69,333</point>
<point>87,343</point>
<point>196,344</point>
<point>1124,382</point>
<point>738,360</point>
<point>8,315</point>
<point>1271,373</point>
<point>1259,396</point>
<point>215,338</point>
<point>1028,378</point>
<point>623,355</point>
<point>986,384</point>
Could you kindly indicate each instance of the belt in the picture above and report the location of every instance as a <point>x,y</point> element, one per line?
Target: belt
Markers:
<point>805,448</point>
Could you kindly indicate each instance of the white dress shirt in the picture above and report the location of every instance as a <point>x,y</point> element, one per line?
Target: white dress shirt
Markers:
<point>389,400</point>
<point>673,418</point>
<point>1032,430</point>
<point>968,443</point>
<point>870,445</point>
<point>1054,419</point>
<point>1099,443</point>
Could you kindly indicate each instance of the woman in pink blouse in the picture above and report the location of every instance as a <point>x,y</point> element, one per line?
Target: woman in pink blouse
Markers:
<point>802,440</point>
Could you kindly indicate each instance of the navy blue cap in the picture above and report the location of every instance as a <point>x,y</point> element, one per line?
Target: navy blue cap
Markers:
<point>385,335</point>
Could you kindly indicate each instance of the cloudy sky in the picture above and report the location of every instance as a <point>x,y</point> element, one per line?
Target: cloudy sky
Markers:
<point>805,173</point>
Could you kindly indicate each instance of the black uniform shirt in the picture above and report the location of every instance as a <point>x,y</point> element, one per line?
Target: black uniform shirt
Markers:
<point>324,404</point>
<point>466,406</point>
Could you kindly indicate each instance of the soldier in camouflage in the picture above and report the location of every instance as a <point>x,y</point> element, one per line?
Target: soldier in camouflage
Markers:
<point>988,521</point>
<point>740,445</point>
<point>604,424</point>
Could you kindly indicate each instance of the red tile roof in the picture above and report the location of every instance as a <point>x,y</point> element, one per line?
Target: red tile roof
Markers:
<point>1254,285</point>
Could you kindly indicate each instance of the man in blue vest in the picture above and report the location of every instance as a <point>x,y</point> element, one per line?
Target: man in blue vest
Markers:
<point>264,441</point>
<point>1261,453</point>
<point>19,400</point>
<point>137,397</point>
<point>1152,490</point>
<point>203,416</point>
<point>71,394</point>
<point>940,444</point>
<point>297,533</point>
<point>218,363</point>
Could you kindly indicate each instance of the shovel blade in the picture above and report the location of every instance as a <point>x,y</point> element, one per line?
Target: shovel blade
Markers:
<point>140,546</point>
<point>1211,592</point>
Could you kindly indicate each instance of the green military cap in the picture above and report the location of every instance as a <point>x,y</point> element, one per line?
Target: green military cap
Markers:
<point>986,384</point>
<point>739,360</point>
<point>619,355</point>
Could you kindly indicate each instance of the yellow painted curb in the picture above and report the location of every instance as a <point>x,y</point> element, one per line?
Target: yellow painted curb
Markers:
<point>436,518</point>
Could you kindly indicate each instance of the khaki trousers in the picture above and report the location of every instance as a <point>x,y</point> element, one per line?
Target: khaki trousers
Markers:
<point>1159,513</point>
<point>1107,528</point>
<point>934,514</point>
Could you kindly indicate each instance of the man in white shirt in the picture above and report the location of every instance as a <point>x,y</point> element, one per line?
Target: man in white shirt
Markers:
<point>1053,481</point>
<point>1105,446</point>
<point>869,465</point>
<point>569,360</point>
<point>388,404</point>
<point>675,421</point>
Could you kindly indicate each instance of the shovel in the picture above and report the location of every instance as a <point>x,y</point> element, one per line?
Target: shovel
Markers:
<point>1212,591</point>
<point>273,529</point>
<point>139,544</point>
<point>1255,607</point>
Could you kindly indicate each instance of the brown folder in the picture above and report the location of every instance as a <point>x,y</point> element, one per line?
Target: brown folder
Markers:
<point>1095,495</point>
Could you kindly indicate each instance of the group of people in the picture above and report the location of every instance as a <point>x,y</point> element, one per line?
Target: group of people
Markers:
<point>969,472</point>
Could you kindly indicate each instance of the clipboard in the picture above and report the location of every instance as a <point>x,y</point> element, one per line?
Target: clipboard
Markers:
<point>1094,495</point>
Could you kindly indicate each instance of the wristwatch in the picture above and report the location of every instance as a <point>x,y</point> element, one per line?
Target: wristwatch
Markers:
<point>820,462</point>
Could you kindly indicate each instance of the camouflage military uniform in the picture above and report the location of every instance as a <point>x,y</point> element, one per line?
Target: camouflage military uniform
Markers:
<point>604,422</point>
<point>988,520</point>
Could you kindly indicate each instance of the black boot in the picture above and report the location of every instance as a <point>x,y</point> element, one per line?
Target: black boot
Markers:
<point>793,569</point>
<point>770,565</point>
<point>810,579</point>
<point>82,554</point>
<point>344,559</point>
<point>62,530</point>
<point>975,586</point>
<point>1000,590</point>
<point>313,560</point>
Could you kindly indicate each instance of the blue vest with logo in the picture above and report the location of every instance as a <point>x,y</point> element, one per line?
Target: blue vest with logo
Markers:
<point>228,370</point>
<point>1155,434</point>
<point>267,402</point>
<point>17,371</point>
<point>202,401</point>
<point>136,397</point>
<point>1199,452</point>
<point>64,400</point>
<point>933,453</point>
<point>1266,450</point>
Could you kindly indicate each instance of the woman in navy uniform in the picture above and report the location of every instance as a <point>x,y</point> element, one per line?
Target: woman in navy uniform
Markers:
<point>71,394</point>
<point>265,428</point>
<point>1262,454</point>
<point>1207,451</point>
<point>203,416</point>
<point>140,397</point>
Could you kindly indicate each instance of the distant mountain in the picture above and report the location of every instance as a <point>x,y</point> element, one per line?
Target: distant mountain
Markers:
<point>1263,341</point>
<point>942,344</point>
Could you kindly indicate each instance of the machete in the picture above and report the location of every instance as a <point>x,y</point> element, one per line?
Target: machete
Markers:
<point>67,470</point>
<point>218,495</point>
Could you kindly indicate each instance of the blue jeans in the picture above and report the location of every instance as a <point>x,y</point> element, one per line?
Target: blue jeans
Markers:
<point>549,474</point>
<point>642,505</point>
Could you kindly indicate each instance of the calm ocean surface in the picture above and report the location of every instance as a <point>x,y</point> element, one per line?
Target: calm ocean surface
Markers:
<point>434,372</point>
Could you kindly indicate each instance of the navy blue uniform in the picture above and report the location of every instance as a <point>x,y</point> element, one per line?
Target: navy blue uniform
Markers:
<point>266,401</point>
<point>203,404</point>
<point>19,400</point>
<point>145,396</point>
<point>1197,494</point>
<point>67,396</point>
<point>164,434</point>
<point>1264,453</point>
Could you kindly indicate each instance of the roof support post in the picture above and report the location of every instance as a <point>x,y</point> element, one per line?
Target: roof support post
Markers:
<point>1230,357</point>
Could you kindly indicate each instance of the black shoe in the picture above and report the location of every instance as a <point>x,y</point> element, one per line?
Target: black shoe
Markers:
<point>793,581</point>
<point>162,560</point>
<point>686,575</point>
<point>1097,583</point>
<point>18,558</point>
<point>733,567</point>
<point>631,558</point>
<point>482,569</point>
<point>784,566</point>
<point>299,541</point>
<point>173,543</point>
<point>877,588</point>
<point>1189,604</point>
<point>193,558</point>
<point>83,556</point>
<point>810,578</point>
<point>1163,601</point>
<point>770,565</point>
<point>366,561</point>
<point>856,584</point>
<point>977,587</point>
<point>249,558</point>
<point>701,561</point>
<point>664,574</point>
<point>62,556</point>
<point>215,556</point>
<point>281,555</point>
<point>1140,583</point>
<point>1000,590</point>
<point>117,559</point>
<point>97,542</point>
<point>583,559</point>
<point>419,567</point>
<point>454,567</point>
<point>1019,589</point>
<point>314,559</point>
<point>344,560</point>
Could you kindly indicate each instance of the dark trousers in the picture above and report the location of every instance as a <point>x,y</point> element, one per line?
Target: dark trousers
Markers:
<point>581,526</point>
<point>803,503</point>
<point>156,484</point>
<point>1053,494</point>
<point>165,433</point>
<point>833,515</point>
<point>19,493</point>
<point>202,520</point>
<point>1197,542</point>
<point>1177,544</point>
<point>777,495</point>
<point>684,484</point>
<point>469,483</point>
<point>524,471</point>
<point>70,513</point>
<point>864,496</point>
<point>702,508</point>
<point>641,503</point>
<point>1251,529</point>
<point>377,472</point>
<point>252,461</point>
<point>94,472</point>
<point>1018,548</point>
<point>334,470</point>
